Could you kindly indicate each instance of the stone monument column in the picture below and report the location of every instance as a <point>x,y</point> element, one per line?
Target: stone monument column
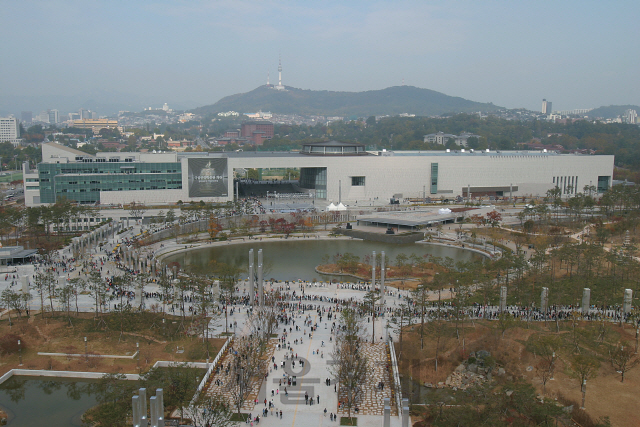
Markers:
<point>252,290</point>
<point>544,300</point>
<point>387,413</point>
<point>382,273</point>
<point>586,301</point>
<point>260,280</point>
<point>373,271</point>
<point>628,298</point>
<point>160,407</point>
<point>503,298</point>
<point>143,405</point>
<point>405,412</point>
<point>135,404</point>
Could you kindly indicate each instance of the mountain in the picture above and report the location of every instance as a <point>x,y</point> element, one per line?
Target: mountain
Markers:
<point>391,101</point>
<point>612,111</point>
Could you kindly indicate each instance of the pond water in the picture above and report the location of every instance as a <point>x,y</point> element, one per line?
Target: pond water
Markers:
<point>294,259</point>
<point>53,402</point>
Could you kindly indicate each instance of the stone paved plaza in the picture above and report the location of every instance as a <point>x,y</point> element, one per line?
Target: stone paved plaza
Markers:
<point>314,351</point>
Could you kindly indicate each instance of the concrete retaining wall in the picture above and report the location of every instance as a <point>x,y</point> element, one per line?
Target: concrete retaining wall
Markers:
<point>396,377</point>
<point>60,374</point>
<point>384,238</point>
<point>94,375</point>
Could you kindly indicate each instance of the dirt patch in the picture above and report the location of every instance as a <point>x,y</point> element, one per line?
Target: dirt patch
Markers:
<point>54,335</point>
<point>606,395</point>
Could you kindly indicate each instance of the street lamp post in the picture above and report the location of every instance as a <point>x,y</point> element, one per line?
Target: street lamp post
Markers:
<point>85,347</point>
<point>20,352</point>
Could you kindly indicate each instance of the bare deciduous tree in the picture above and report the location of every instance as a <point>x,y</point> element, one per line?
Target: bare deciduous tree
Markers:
<point>350,366</point>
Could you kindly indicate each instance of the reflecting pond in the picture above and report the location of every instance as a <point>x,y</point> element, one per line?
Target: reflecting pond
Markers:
<point>294,259</point>
<point>51,402</point>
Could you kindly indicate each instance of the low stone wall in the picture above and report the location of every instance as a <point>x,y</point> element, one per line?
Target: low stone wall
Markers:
<point>466,248</point>
<point>94,375</point>
<point>384,238</point>
<point>60,374</point>
<point>104,356</point>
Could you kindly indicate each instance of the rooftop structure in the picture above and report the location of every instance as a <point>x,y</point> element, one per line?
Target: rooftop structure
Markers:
<point>334,148</point>
<point>12,255</point>
<point>443,138</point>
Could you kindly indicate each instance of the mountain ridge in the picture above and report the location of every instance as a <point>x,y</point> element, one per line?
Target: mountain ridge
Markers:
<point>389,101</point>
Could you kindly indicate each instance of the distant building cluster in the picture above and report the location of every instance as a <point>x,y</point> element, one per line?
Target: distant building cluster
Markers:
<point>442,138</point>
<point>253,132</point>
<point>52,116</point>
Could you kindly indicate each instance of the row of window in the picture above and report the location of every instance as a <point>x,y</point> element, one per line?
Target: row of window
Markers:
<point>568,184</point>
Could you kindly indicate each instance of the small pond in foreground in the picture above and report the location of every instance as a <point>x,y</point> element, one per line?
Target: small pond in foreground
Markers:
<point>51,402</point>
<point>294,259</point>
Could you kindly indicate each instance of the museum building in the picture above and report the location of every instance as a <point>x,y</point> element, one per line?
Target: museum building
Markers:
<point>331,171</point>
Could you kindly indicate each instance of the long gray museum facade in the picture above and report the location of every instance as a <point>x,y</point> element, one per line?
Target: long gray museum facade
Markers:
<point>328,170</point>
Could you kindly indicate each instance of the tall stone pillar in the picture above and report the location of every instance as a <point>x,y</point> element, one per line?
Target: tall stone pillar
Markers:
<point>387,412</point>
<point>503,298</point>
<point>25,284</point>
<point>405,412</point>
<point>153,411</point>
<point>382,273</point>
<point>627,303</point>
<point>160,406</point>
<point>260,280</point>
<point>586,300</point>
<point>135,403</point>
<point>252,288</point>
<point>373,271</point>
<point>544,300</point>
<point>143,405</point>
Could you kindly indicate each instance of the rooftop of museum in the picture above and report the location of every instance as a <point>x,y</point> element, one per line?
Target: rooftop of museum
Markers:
<point>329,149</point>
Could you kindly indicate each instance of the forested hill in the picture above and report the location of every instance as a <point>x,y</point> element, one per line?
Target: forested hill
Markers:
<point>611,111</point>
<point>389,101</point>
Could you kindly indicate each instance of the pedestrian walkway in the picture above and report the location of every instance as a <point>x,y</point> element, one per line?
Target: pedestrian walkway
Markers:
<point>224,382</point>
<point>373,394</point>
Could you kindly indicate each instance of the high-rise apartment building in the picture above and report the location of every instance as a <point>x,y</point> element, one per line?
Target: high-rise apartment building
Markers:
<point>54,117</point>
<point>43,117</point>
<point>546,107</point>
<point>631,117</point>
<point>10,130</point>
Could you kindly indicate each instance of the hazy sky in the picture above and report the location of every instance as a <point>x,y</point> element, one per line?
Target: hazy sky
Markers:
<point>578,54</point>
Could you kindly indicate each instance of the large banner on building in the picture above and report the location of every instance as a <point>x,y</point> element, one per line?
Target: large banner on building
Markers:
<point>208,177</point>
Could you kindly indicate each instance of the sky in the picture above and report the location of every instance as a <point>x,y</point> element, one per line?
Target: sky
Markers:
<point>577,54</point>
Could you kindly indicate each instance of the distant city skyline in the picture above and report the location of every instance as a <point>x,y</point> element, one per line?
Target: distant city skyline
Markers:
<point>194,53</point>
